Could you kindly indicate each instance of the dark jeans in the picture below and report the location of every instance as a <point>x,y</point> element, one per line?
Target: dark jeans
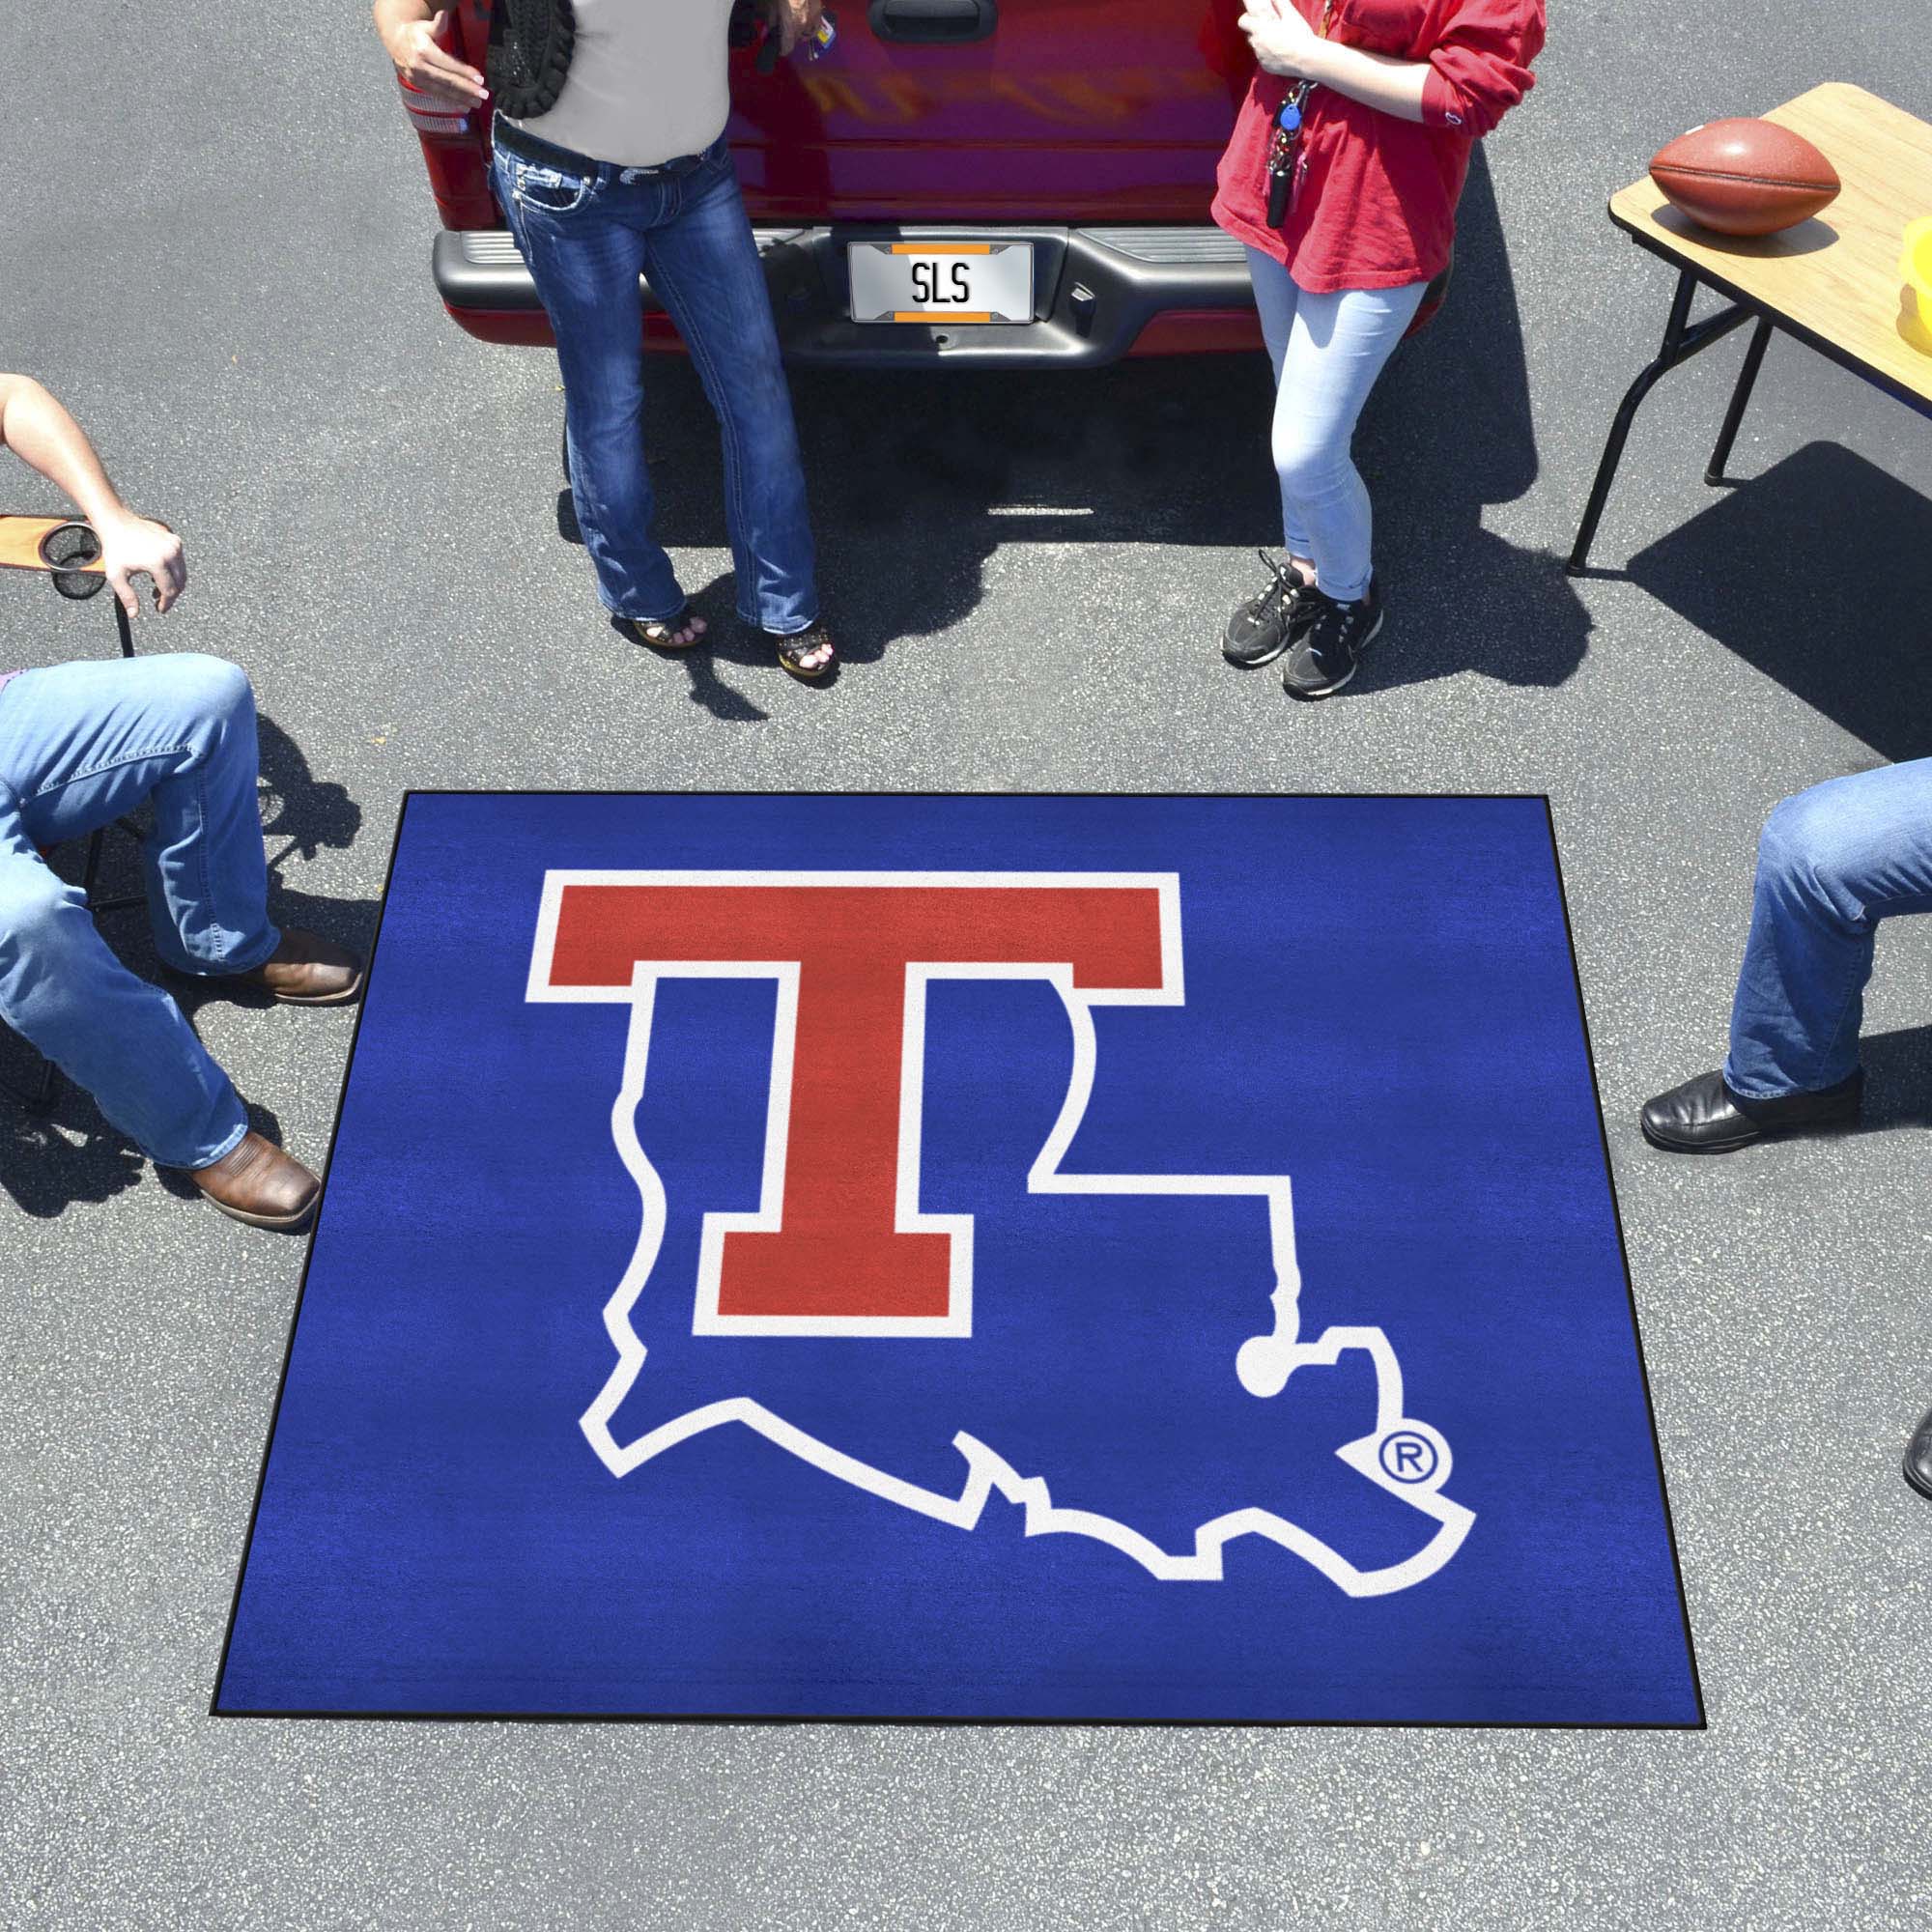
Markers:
<point>588,231</point>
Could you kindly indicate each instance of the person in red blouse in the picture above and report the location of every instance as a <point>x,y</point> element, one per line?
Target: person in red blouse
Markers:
<point>1341,178</point>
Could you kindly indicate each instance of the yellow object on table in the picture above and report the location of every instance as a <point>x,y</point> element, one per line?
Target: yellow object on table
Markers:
<point>1915,321</point>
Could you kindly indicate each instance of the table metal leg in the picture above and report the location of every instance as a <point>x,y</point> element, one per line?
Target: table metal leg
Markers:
<point>1740,401</point>
<point>1682,340</point>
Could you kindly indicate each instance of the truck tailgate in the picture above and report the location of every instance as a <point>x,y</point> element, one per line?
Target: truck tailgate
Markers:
<point>1066,111</point>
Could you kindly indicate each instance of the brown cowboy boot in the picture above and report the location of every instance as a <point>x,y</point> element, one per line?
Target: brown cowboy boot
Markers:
<point>255,1182</point>
<point>306,970</point>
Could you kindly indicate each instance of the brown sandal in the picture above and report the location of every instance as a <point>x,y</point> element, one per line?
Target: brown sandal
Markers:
<point>795,648</point>
<point>660,634</point>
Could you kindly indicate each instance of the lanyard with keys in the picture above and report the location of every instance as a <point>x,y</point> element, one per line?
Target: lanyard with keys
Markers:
<point>1287,137</point>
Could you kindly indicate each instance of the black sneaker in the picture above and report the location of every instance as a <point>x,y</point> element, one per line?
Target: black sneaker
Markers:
<point>1265,626</point>
<point>1325,655</point>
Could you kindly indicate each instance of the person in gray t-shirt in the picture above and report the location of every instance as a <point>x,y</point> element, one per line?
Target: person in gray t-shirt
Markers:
<point>610,164</point>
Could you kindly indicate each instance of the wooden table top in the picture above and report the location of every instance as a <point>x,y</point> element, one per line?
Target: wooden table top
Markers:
<point>20,539</point>
<point>1834,279</point>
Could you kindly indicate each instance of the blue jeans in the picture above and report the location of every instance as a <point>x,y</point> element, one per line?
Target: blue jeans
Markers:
<point>1328,352</point>
<point>1830,864</point>
<point>588,234</point>
<point>80,745</point>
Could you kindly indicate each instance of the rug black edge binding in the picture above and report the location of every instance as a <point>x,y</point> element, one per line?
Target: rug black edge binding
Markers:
<point>294,1715</point>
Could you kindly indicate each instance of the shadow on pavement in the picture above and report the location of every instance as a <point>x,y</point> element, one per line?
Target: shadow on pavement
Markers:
<point>1448,433</point>
<point>917,478</point>
<point>1819,573</point>
<point>308,812</point>
<point>1898,1077</point>
<point>50,1162</point>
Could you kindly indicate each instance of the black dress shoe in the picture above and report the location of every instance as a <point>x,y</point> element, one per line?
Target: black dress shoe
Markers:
<point>1703,1116</point>
<point>1918,1455</point>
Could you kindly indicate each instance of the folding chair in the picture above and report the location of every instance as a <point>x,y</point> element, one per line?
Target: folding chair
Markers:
<point>68,553</point>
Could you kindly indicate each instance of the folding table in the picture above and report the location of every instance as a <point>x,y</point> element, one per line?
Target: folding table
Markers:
<point>1833,282</point>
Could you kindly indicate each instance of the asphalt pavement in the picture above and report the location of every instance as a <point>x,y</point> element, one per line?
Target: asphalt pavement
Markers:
<point>213,245</point>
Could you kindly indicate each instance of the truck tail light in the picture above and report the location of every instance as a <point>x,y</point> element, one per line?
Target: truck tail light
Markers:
<point>428,116</point>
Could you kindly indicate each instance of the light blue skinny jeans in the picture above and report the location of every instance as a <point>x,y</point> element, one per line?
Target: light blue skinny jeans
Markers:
<point>1832,863</point>
<point>81,745</point>
<point>1328,352</point>
<point>587,233</point>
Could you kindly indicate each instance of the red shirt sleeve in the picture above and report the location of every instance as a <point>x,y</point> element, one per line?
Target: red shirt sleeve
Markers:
<point>1479,68</point>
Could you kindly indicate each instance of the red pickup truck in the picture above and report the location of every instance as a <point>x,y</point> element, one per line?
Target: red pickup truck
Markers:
<point>973,182</point>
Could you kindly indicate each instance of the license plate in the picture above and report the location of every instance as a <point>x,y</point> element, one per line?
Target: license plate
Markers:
<point>941,281</point>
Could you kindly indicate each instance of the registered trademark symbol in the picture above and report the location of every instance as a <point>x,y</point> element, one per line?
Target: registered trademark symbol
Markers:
<point>1408,1457</point>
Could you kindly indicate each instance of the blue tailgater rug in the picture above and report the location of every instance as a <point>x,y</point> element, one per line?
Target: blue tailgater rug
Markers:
<point>1002,1258</point>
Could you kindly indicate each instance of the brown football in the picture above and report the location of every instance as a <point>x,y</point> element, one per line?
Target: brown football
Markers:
<point>1745,177</point>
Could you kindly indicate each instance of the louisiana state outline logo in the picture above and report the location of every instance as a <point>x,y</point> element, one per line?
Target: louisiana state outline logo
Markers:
<point>848,1249</point>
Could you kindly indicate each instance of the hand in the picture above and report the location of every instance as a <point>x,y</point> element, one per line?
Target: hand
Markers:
<point>796,21</point>
<point>430,68</point>
<point>133,547</point>
<point>1284,42</point>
